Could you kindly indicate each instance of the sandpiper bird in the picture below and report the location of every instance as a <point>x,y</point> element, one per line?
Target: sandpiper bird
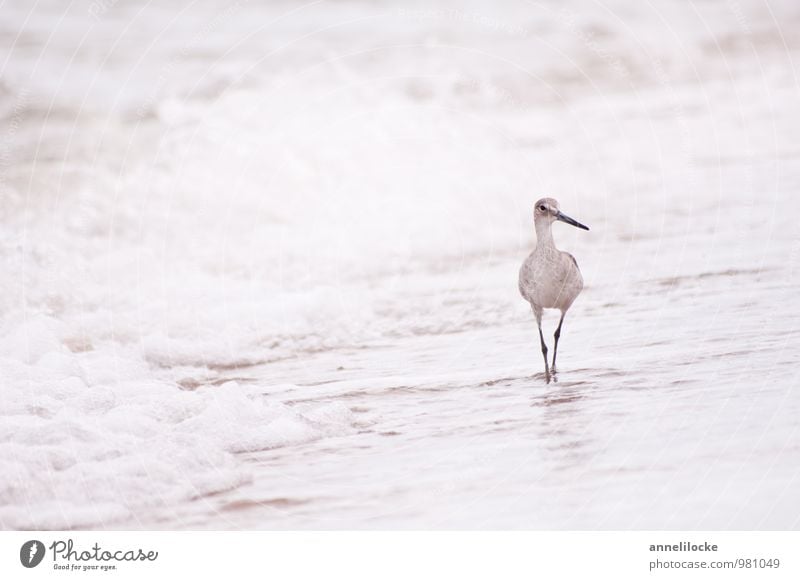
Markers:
<point>549,278</point>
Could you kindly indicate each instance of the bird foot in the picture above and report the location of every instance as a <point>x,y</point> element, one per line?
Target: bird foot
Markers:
<point>550,375</point>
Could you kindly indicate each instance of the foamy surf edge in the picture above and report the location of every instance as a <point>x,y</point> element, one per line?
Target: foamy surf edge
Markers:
<point>88,439</point>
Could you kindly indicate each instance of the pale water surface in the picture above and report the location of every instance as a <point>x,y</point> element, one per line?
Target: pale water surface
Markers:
<point>259,265</point>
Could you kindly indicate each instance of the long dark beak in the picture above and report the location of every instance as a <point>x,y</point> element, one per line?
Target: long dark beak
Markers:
<point>566,219</point>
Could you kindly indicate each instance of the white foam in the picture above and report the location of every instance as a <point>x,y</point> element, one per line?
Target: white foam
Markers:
<point>89,438</point>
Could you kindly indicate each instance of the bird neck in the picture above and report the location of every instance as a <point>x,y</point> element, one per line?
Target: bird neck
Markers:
<point>544,235</point>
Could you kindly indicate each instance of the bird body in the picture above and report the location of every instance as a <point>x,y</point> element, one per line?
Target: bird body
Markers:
<point>549,278</point>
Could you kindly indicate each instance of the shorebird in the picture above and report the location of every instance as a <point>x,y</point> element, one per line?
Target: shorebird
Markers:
<point>549,278</point>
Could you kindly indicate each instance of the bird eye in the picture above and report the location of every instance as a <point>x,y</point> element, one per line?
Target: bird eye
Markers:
<point>542,208</point>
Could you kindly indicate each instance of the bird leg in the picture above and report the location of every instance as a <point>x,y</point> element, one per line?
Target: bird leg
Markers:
<point>557,335</point>
<point>544,346</point>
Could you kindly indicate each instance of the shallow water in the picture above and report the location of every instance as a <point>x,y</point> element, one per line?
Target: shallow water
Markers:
<point>461,431</point>
<point>260,266</point>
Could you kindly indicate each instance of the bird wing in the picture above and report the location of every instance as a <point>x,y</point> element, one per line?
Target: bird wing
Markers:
<point>525,278</point>
<point>574,261</point>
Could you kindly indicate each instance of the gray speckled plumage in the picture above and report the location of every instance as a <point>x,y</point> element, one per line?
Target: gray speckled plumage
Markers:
<point>549,278</point>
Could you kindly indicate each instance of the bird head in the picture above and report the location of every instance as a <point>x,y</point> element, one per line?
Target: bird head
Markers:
<point>547,211</point>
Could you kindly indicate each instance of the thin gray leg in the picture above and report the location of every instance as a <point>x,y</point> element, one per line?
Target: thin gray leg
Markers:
<point>544,346</point>
<point>557,335</point>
